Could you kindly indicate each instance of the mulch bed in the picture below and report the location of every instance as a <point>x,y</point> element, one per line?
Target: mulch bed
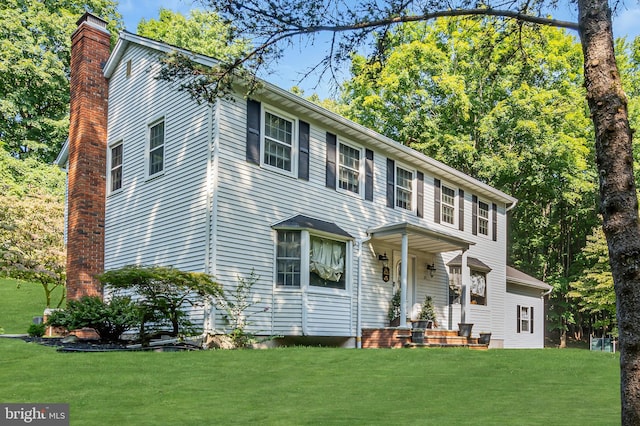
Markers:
<point>85,345</point>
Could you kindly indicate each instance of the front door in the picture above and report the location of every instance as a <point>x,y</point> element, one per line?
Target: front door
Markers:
<point>412,307</point>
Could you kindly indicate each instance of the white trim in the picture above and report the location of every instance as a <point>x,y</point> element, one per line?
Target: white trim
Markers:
<point>147,149</point>
<point>488,219</point>
<point>414,195</point>
<point>110,147</point>
<point>361,167</point>
<point>264,109</point>
<point>456,204</point>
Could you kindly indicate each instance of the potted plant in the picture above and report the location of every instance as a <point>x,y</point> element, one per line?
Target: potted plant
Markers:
<point>427,315</point>
<point>464,329</point>
<point>394,310</point>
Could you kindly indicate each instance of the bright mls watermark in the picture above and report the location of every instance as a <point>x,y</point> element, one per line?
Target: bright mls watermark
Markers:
<point>34,414</point>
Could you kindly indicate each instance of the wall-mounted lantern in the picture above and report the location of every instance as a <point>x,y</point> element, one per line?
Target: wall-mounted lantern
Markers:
<point>385,266</point>
<point>431,268</point>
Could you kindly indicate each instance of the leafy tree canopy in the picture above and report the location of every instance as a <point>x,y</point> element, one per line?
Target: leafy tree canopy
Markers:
<point>35,41</point>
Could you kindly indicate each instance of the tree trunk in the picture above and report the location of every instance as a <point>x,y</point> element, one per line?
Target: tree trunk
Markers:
<point>618,200</point>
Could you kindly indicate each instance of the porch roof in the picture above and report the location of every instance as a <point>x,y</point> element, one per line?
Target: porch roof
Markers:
<point>421,238</point>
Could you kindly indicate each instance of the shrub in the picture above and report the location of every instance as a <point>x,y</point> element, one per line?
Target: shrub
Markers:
<point>36,330</point>
<point>164,292</point>
<point>109,320</point>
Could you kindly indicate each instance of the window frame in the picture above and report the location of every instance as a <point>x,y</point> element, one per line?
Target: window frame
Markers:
<point>397,188</point>
<point>360,170</point>
<point>453,205</point>
<point>477,299</point>
<point>486,220</point>
<point>149,151</point>
<point>288,259</point>
<point>110,167</point>
<point>305,237</point>
<point>525,323</point>
<point>293,154</point>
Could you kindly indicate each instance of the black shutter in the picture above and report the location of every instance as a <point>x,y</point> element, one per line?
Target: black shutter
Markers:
<point>420,195</point>
<point>368,175</point>
<point>303,153</point>
<point>391,182</point>
<point>253,131</point>
<point>494,216</point>
<point>436,200</point>
<point>331,160</point>
<point>461,209</point>
<point>474,215</point>
<point>531,320</point>
<point>518,316</point>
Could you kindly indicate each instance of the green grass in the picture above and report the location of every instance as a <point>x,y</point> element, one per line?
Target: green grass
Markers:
<point>20,301</point>
<point>307,385</point>
<point>317,386</point>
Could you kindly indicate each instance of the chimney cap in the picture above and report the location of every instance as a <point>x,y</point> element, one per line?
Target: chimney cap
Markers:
<point>92,20</point>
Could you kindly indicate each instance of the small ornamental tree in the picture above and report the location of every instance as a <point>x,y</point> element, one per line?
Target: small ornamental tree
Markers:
<point>163,292</point>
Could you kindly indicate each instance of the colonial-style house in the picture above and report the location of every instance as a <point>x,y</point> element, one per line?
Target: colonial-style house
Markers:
<point>332,217</point>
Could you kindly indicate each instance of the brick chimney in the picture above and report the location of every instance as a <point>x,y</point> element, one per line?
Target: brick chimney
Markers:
<point>90,48</point>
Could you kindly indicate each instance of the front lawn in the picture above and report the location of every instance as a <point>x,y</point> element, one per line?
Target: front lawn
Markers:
<point>20,301</point>
<point>317,386</point>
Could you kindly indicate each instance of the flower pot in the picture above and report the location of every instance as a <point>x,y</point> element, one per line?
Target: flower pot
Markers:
<point>485,338</point>
<point>420,324</point>
<point>464,329</point>
<point>417,335</point>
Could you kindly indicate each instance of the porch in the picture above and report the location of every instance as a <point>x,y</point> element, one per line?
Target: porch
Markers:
<point>400,337</point>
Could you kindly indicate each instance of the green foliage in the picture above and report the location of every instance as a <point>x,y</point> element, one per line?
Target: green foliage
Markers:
<point>109,319</point>
<point>36,330</point>
<point>164,293</point>
<point>394,306</point>
<point>32,222</point>
<point>237,302</point>
<point>35,41</point>
<point>427,311</point>
<point>201,32</point>
<point>593,289</point>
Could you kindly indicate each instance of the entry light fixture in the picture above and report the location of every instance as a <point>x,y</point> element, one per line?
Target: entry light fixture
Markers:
<point>431,268</point>
<point>385,266</point>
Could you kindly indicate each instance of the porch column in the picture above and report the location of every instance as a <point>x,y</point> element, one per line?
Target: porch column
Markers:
<point>466,286</point>
<point>403,280</point>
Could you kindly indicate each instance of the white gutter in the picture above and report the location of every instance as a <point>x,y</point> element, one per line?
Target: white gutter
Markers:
<point>513,204</point>
<point>359,243</point>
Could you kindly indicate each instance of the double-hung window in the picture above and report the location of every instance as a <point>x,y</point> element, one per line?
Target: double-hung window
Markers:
<point>524,319</point>
<point>349,168</point>
<point>483,218</point>
<point>288,259</point>
<point>404,188</point>
<point>324,258</point>
<point>115,167</point>
<point>156,148</point>
<point>448,205</point>
<point>278,141</point>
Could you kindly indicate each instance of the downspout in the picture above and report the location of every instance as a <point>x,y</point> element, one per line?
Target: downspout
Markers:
<point>359,297</point>
<point>508,209</point>
<point>212,158</point>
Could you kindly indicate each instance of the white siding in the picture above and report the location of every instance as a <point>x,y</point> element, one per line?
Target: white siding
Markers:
<point>523,296</point>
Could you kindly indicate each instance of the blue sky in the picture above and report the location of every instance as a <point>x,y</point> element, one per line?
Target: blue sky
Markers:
<point>287,72</point>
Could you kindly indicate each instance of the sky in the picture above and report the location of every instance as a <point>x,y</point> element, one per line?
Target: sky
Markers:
<point>287,72</point>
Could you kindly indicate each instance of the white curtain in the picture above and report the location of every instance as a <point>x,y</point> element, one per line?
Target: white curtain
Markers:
<point>327,259</point>
<point>478,284</point>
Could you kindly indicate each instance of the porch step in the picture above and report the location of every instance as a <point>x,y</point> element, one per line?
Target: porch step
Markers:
<point>392,337</point>
<point>472,346</point>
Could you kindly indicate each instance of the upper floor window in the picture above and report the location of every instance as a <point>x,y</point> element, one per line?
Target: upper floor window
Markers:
<point>349,168</point>
<point>448,205</point>
<point>156,148</point>
<point>404,188</point>
<point>483,218</point>
<point>278,141</point>
<point>115,167</point>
